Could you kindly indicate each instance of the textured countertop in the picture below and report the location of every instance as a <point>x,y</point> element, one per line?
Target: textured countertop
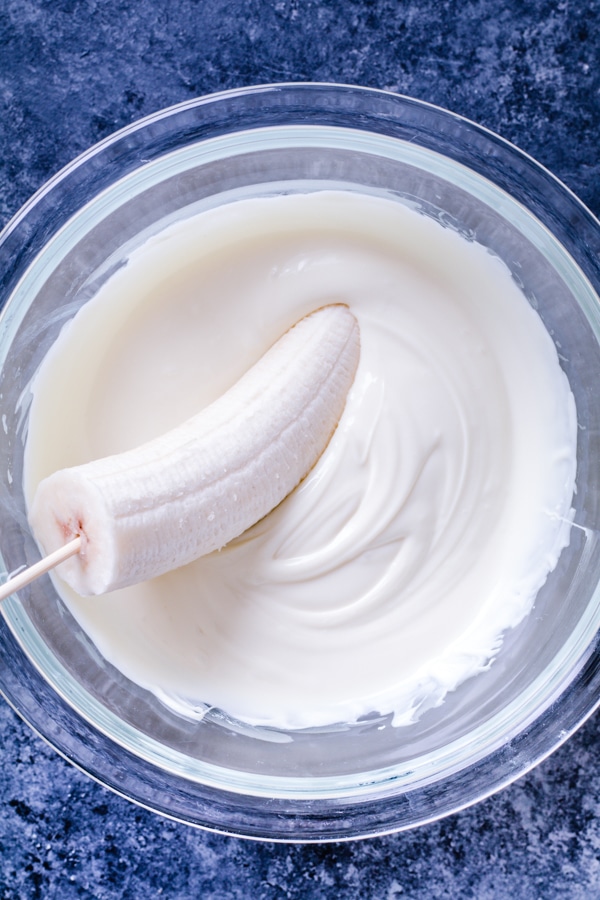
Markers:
<point>72,72</point>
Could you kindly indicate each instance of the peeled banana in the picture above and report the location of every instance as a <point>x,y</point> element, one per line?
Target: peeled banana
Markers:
<point>182,495</point>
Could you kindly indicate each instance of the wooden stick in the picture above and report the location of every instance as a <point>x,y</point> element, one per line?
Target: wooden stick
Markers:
<point>44,565</point>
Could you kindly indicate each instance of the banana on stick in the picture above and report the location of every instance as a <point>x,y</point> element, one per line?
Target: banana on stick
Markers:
<point>141,513</point>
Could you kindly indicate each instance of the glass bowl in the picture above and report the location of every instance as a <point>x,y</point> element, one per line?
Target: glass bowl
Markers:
<point>347,781</point>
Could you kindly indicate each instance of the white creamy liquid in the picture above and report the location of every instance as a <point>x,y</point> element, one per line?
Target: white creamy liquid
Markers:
<point>425,530</point>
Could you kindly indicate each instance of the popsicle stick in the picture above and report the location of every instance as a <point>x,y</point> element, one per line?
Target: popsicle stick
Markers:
<point>44,565</point>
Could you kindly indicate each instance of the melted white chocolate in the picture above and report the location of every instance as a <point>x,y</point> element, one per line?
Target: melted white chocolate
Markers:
<point>426,529</point>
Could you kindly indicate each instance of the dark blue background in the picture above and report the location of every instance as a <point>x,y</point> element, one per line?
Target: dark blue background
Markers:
<point>72,72</point>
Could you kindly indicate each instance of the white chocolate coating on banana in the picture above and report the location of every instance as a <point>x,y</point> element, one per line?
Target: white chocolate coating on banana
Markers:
<point>423,532</point>
<point>192,490</point>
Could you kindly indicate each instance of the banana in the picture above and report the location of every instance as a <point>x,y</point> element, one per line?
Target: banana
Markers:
<point>192,490</point>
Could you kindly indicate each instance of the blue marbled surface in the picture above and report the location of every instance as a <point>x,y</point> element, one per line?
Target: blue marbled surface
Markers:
<point>72,72</point>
